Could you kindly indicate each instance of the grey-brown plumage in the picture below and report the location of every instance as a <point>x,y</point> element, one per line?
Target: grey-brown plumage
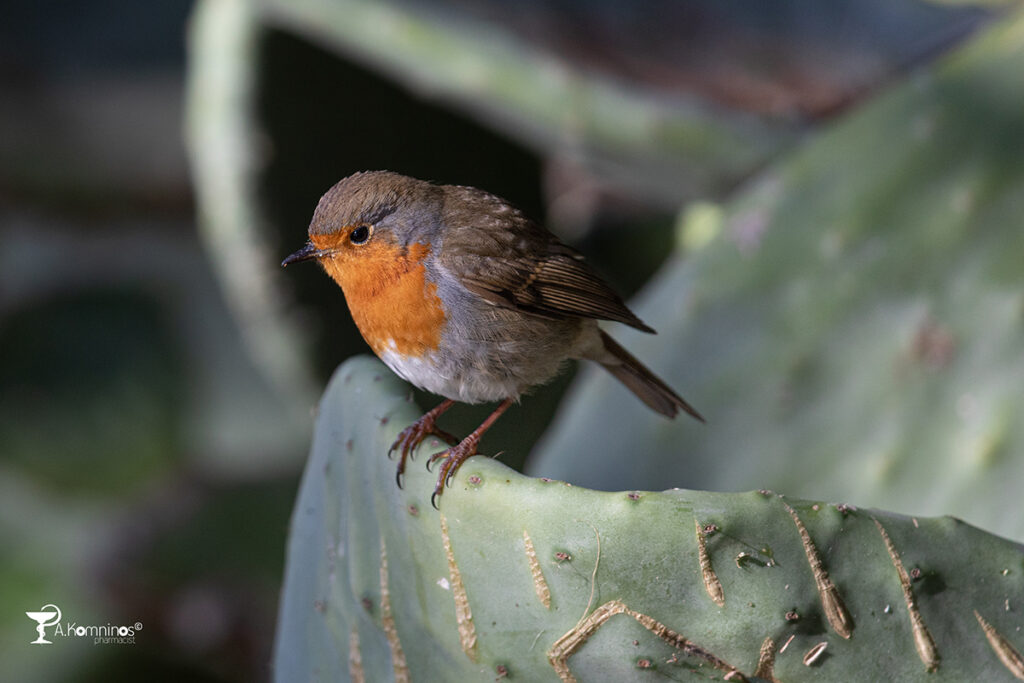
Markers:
<point>510,261</point>
<point>519,302</point>
<point>507,259</point>
<point>462,295</point>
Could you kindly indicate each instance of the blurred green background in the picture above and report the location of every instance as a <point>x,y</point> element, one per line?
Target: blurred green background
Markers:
<point>158,373</point>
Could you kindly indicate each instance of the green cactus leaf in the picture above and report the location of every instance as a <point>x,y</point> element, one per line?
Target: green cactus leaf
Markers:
<point>536,580</point>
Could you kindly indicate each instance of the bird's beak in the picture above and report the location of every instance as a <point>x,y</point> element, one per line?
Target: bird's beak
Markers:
<point>307,253</point>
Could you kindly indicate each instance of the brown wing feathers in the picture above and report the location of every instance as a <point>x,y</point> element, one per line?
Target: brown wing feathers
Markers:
<point>507,259</point>
<point>566,284</point>
<point>558,283</point>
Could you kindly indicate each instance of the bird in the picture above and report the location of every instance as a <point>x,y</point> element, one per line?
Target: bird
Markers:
<point>461,294</point>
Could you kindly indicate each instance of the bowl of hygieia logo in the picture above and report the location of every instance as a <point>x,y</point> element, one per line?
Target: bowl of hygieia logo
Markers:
<point>48,615</point>
<point>102,634</point>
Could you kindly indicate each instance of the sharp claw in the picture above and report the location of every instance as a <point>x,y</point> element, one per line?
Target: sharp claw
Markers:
<point>434,458</point>
<point>453,456</point>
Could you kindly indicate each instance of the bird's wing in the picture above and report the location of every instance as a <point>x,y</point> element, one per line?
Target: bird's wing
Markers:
<point>510,261</point>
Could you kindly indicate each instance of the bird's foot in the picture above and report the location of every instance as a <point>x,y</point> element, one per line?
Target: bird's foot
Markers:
<point>451,460</point>
<point>413,435</point>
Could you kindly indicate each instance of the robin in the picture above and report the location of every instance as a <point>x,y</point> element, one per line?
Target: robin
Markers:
<point>462,295</point>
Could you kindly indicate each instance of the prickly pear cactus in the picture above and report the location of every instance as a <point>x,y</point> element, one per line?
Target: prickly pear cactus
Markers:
<point>852,324</point>
<point>535,580</point>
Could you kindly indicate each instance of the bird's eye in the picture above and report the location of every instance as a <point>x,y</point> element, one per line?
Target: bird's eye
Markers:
<point>359,234</point>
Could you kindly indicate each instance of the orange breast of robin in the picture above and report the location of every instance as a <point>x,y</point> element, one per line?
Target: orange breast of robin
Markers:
<point>393,303</point>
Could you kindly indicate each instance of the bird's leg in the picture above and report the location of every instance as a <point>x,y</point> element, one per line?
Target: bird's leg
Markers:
<point>414,434</point>
<point>454,457</point>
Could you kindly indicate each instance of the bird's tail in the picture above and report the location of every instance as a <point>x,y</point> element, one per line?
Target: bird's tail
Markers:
<point>648,387</point>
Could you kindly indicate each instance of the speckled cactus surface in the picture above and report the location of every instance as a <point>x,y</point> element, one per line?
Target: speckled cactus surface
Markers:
<point>526,579</point>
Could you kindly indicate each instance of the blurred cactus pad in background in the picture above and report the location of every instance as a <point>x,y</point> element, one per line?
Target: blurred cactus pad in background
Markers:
<point>851,322</point>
